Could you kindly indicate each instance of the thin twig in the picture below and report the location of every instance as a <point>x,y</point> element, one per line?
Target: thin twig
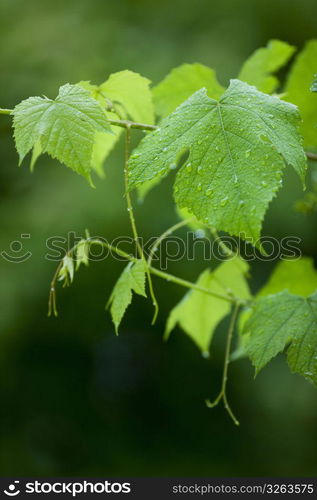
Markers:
<point>223,392</point>
<point>129,124</point>
<point>52,307</point>
<point>189,284</point>
<point>164,235</point>
<point>133,224</point>
<point>227,251</point>
<point>311,156</point>
<point>157,272</point>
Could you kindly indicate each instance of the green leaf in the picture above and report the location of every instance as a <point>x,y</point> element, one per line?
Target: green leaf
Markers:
<point>298,92</point>
<point>238,147</point>
<point>181,83</point>
<point>128,94</point>
<point>193,224</point>
<point>104,144</point>
<point>131,279</point>
<point>36,153</point>
<point>65,127</point>
<point>297,276</point>
<point>281,319</point>
<point>132,92</point>
<point>259,68</point>
<point>198,313</point>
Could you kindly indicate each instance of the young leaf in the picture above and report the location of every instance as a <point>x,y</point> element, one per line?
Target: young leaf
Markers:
<point>127,93</point>
<point>298,92</point>
<point>281,319</point>
<point>66,273</point>
<point>198,314</point>
<point>259,68</point>
<point>65,127</point>
<point>238,148</point>
<point>181,83</point>
<point>132,92</point>
<point>131,279</point>
<point>82,253</point>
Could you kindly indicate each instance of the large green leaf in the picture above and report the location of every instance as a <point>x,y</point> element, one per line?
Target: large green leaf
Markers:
<point>198,313</point>
<point>131,97</point>
<point>131,279</point>
<point>297,276</point>
<point>65,128</point>
<point>181,83</point>
<point>298,92</point>
<point>278,320</point>
<point>238,147</point>
<point>259,68</point>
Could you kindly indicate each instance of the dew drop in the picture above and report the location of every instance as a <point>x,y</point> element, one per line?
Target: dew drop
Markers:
<point>224,201</point>
<point>199,187</point>
<point>208,192</point>
<point>247,153</point>
<point>189,167</point>
<point>200,233</point>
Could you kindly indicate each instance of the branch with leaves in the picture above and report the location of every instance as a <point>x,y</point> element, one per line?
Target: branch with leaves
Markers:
<point>238,142</point>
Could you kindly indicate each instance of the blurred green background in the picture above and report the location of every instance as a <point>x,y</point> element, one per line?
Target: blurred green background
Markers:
<point>75,399</point>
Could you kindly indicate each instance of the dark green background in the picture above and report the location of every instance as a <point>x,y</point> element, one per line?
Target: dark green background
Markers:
<point>74,398</point>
